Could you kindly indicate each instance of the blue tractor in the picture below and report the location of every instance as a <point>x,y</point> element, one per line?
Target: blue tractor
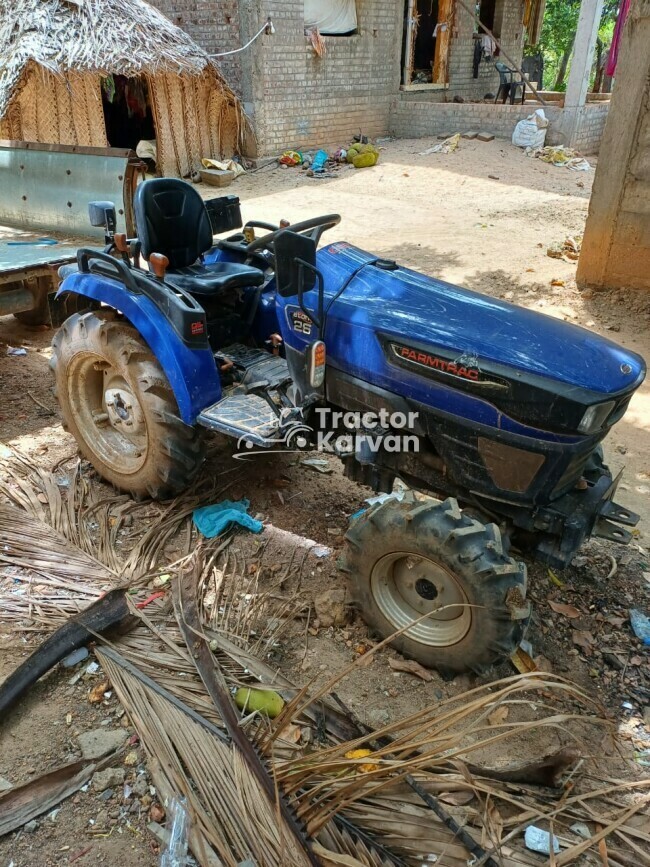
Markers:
<point>499,411</point>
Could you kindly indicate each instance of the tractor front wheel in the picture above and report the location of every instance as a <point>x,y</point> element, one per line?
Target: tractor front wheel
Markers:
<point>119,406</point>
<point>425,567</point>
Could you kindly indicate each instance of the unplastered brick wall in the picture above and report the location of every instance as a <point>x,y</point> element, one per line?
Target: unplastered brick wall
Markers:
<point>591,124</point>
<point>214,25</point>
<point>412,119</point>
<point>300,100</point>
<point>508,28</point>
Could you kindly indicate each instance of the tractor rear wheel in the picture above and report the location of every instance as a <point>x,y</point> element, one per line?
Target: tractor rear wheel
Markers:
<point>406,559</point>
<point>119,406</point>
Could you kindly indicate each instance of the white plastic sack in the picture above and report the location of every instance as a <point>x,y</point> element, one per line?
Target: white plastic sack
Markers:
<point>531,132</point>
<point>331,16</point>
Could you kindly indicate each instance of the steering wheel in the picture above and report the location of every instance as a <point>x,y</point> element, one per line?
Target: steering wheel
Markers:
<point>318,225</point>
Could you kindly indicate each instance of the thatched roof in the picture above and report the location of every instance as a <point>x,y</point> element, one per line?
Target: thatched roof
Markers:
<point>129,37</point>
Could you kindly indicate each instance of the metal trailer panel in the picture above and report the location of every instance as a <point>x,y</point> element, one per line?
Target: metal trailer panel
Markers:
<point>26,256</point>
<point>48,187</point>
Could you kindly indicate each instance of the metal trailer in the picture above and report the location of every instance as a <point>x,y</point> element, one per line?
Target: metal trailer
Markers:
<point>44,195</point>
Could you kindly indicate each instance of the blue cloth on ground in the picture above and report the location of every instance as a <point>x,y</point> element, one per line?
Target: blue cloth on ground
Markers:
<point>318,163</point>
<point>216,519</point>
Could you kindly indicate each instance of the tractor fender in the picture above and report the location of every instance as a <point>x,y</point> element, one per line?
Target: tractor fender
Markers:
<point>191,371</point>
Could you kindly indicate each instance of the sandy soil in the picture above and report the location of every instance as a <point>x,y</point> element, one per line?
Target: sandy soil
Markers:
<point>483,217</point>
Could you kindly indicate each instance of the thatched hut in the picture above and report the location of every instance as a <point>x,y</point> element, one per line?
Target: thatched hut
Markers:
<point>110,72</point>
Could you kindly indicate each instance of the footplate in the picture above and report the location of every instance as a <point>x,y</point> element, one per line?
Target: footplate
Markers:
<point>242,415</point>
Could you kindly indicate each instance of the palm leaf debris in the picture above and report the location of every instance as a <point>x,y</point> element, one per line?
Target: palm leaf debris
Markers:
<point>410,793</point>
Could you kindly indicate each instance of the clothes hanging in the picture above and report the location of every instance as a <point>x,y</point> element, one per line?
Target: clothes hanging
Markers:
<point>331,16</point>
<point>612,59</point>
<point>489,46</point>
<point>478,54</point>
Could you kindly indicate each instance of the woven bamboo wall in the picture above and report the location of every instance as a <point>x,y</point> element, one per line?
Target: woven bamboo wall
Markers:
<point>193,119</point>
<point>52,109</point>
<point>192,115</point>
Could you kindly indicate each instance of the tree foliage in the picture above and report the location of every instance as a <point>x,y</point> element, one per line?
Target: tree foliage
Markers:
<point>558,35</point>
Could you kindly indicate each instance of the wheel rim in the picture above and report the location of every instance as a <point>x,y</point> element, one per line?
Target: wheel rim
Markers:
<point>107,413</point>
<point>405,586</point>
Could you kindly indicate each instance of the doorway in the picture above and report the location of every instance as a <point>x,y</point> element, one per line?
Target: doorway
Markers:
<point>427,32</point>
<point>127,111</point>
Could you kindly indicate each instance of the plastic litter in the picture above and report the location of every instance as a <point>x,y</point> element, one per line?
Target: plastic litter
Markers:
<point>382,498</point>
<point>640,623</point>
<point>175,855</point>
<point>213,520</point>
<point>318,163</point>
<point>16,350</point>
<point>75,657</point>
<point>318,464</point>
<point>581,830</point>
<point>321,551</point>
<point>643,758</point>
<point>538,840</point>
<point>558,155</point>
<point>447,146</point>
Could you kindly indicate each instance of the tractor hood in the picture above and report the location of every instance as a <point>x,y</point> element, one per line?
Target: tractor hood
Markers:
<point>508,355</point>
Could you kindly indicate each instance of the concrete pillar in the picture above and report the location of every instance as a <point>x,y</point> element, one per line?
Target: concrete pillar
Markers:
<point>583,56</point>
<point>616,245</point>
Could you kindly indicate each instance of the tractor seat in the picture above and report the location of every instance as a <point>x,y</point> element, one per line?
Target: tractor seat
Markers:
<point>172,219</point>
<point>209,279</point>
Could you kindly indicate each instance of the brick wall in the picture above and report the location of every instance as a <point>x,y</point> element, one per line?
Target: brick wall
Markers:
<point>509,31</point>
<point>413,118</point>
<point>300,100</point>
<point>214,25</point>
<point>591,123</point>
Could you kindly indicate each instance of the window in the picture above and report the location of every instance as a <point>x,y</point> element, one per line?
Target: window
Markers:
<point>331,17</point>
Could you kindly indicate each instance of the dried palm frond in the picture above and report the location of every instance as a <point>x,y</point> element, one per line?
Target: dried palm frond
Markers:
<point>44,579</point>
<point>432,747</point>
<point>370,809</point>
<point>98,527</point>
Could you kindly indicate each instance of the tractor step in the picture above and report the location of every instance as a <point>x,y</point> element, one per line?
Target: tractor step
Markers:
<point>252,364</point>
<point>242,415</point>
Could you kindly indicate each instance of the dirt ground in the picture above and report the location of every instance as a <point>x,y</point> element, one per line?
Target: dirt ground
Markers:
<point>482,217</point>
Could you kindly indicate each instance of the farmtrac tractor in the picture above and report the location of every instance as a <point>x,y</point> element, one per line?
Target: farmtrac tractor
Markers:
<point>277,345</point>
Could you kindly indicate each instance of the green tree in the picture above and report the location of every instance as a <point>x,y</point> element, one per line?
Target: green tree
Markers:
<point>558,35</point>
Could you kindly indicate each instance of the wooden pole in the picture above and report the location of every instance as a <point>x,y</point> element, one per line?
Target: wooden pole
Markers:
<point>509,59</point>
<point>441,57</point>
<point>407,72</point>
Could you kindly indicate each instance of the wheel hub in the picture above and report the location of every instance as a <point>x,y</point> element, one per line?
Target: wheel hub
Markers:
<point>123,411</point>
<point>406,587</point>
<point>107,414</point>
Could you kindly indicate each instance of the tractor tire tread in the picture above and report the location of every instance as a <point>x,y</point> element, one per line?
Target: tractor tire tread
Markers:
<point>176,450</point>
<point>472,550</point>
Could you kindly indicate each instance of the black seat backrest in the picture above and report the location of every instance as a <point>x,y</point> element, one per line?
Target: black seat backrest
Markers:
<point>171,219</point>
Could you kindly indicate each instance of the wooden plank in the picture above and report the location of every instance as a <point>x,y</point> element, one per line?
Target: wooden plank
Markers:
<point>409,46</point>
<point>446,9</point>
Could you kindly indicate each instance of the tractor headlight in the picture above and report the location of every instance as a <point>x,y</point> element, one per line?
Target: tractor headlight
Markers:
<point>595,417</point>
